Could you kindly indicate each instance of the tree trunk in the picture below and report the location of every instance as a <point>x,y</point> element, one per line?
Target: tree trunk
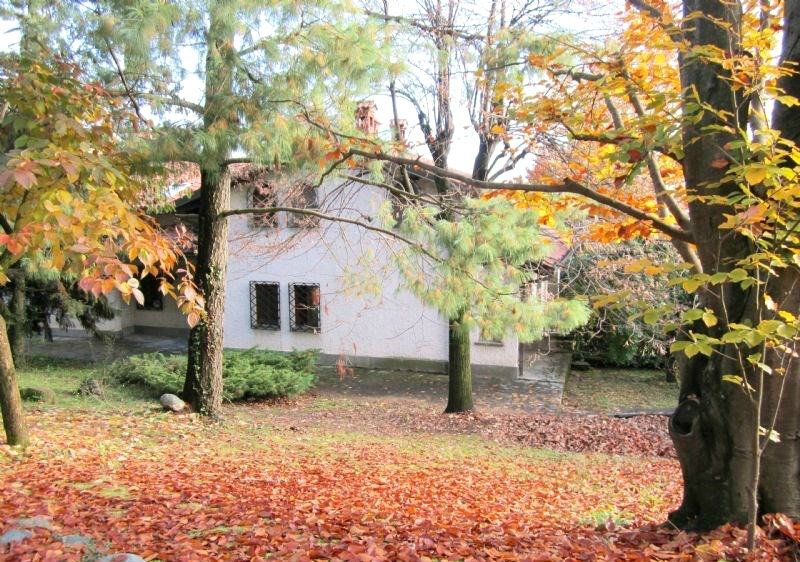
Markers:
<point>10,401</point>
<point>17,318</point>
<point>459,369</point>
<point>203,385</point>
<point>714,425</point>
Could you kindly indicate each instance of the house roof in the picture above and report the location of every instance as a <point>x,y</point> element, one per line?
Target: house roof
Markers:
<point>185,176</point>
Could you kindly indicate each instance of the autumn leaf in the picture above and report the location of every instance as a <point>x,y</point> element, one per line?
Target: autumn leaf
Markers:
<point>754,174</point>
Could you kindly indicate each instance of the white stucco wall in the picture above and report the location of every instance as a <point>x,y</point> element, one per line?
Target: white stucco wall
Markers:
<point>168,317</point>
<point>122,323</point>
<point>346,261</point>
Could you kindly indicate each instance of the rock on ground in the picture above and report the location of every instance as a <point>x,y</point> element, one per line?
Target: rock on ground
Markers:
<point>172,402</point>
<point>43,394</point>
<point>124,557</point>
<point>38,522</point>
<point>71,540</point>
<point>14,535</point>
<point>90,387</point>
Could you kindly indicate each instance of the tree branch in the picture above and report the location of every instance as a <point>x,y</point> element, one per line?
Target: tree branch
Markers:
<point>567,186</point>
<point>332,218</point>
<point>672,30</point>
<point>7,228</point>
<point>450,31</point>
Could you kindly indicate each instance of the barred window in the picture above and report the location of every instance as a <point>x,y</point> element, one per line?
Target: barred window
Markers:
<point>261,197</point>
<point>151,289</point>
<point>537,291</point>
<point>265,306</point>
<point>304,309</point>
<point>303,196</point>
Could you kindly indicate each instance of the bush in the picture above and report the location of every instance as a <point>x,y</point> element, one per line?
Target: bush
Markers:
<point>250,374</point>
<point>617,335</point>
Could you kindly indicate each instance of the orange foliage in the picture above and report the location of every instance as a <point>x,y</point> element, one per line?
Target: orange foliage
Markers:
<point>69,195</point>
<point>598,120</point>
<point>170,488</point>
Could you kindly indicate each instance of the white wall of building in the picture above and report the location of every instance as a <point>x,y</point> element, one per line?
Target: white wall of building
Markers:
<point>364,312</point>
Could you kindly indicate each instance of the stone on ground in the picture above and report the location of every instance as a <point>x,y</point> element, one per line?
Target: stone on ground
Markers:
<point>90,387</point>
<point>43,394</point>
<point>72,540</point>
<point>14,535</point>
<point>38,522</point>
<point>172,402</point>
<point>124,557</point>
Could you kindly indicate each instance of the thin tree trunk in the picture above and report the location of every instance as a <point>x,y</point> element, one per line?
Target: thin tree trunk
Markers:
<point>459,369</point>
<point>17,319</point>
<point>10,401</point>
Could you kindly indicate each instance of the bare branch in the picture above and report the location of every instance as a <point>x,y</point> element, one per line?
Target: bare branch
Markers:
<point>332,218</point>
<point>567,186</point>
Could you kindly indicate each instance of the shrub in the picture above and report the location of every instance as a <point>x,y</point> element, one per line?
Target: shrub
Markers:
<point>250,374</point>
<point>617,335</point>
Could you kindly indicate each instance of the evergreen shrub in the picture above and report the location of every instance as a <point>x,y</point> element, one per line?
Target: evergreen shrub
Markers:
<point>247,374</point>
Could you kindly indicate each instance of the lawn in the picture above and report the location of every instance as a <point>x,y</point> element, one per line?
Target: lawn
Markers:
<point>64,377</point>
<point>365,479</point>
<point>619,390</point>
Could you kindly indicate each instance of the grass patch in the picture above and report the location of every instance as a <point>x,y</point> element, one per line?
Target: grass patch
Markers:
<point>64,376</point>
<point>619,390</point>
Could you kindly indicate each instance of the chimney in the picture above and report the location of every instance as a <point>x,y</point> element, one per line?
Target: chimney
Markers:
<point>399,127</point>
<point>365,118</point>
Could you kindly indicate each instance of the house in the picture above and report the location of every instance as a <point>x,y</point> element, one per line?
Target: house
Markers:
<point>300,282</point>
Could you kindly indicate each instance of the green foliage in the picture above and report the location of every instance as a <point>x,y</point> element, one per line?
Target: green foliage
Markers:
<point>265,71</point>
<point>632,329</point>
<point>475,267</point>
<point>249,374</point>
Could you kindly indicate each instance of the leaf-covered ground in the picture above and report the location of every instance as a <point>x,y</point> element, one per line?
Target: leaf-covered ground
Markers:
<point>268,485</point>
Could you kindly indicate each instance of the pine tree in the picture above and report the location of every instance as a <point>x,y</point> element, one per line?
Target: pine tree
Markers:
<point>487,40</point>
<point>260,69</point>
<point>473,269</point>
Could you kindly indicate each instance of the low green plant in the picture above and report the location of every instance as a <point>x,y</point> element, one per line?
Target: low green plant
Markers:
<point>247,374</point>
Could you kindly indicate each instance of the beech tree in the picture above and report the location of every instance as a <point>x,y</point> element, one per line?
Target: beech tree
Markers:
<point>257,70</point>
<point>68,195</point>
<point>681,98</point>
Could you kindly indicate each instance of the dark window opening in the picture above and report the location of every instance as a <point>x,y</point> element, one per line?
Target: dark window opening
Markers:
<point>303,196</point>
<point>262,197</point>
<point>265,306</point>
<point>304,307</point>
<point>150,288</point>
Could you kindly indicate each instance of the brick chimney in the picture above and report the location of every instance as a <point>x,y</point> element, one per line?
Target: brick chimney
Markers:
<point>401,126</point>
<point>365,118</point>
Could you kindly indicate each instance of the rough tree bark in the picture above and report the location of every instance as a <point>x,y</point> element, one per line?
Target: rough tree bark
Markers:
<point>10,401</point>
<point>17,317</point>
<point>459,368</point>
<point>713,425</point>
<point>203,384</point>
